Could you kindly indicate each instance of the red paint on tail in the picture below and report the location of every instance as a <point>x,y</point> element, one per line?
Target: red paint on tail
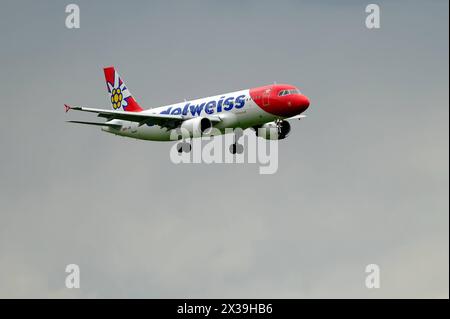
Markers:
<point>121,98</point>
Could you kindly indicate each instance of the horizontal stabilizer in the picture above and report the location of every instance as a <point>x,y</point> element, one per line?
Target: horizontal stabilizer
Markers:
<point>117,126</point>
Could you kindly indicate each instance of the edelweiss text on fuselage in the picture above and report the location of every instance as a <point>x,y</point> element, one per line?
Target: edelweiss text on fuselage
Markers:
<point>213,106</point>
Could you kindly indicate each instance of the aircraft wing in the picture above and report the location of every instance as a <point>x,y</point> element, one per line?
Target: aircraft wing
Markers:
<point>164,120</point>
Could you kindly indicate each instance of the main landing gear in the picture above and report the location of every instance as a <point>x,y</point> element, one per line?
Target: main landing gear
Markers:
<point>237,148</point>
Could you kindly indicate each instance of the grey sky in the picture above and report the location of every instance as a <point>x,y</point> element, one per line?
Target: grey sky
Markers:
<point>364,179</point>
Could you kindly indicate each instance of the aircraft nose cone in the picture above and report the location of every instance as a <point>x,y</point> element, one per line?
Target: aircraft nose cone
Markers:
<point>296,104</point>
<point>304,102</point>
<point>301,103</point>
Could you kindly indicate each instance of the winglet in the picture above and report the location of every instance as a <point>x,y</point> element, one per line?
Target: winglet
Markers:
<point>67,107</point>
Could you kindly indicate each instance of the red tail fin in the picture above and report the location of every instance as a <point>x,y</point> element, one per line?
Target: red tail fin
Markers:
<point>120,96</point>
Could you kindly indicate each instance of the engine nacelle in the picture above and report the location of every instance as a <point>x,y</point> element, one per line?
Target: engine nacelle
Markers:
<point>196,126</point>
<point>280,130</point>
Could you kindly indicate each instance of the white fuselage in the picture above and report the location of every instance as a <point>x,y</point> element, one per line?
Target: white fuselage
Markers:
<point>235,109</point>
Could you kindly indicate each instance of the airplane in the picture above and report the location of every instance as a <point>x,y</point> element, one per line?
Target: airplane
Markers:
<point>267,107</point>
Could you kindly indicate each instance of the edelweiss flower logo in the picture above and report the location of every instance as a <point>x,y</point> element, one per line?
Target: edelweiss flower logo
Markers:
<point>119,93</point>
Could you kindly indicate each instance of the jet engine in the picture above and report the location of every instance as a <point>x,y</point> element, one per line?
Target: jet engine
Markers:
<point>196,126</point>
<point>280,130</point>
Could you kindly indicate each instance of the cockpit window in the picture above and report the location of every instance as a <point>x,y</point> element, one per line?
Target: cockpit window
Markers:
<point>287,92</point>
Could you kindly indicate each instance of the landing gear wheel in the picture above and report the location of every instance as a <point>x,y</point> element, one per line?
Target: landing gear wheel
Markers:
<point>184,147</point>
<point>236,149</point>
<point>233,148</point>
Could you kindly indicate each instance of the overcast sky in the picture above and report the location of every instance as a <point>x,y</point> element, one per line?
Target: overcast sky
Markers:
<point>364,179</point>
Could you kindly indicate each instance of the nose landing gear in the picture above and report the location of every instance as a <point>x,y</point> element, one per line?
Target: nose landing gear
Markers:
<point>184,147</point>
